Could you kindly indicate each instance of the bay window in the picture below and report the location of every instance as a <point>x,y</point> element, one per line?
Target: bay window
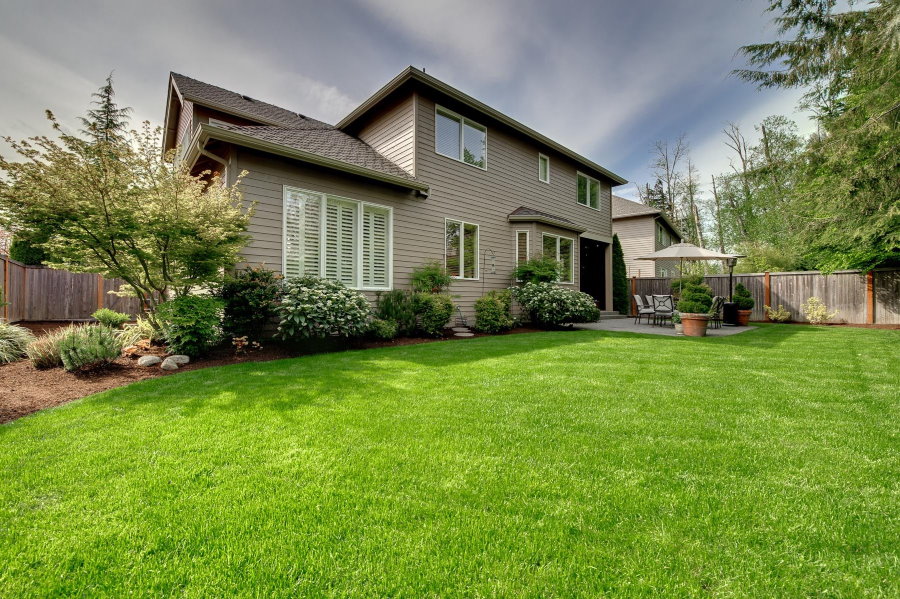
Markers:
<point>562,250</point>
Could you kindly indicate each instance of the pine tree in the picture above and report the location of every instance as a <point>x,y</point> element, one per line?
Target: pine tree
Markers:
<point>621,303</point>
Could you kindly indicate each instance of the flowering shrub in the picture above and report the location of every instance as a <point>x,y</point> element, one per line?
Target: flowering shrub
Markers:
<point>314,307</point>
<point>550,305</point>
<point>492,312</point>
<point>816,311</point>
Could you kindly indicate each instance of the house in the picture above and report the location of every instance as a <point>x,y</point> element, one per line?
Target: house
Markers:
<point>643,230</point>
<point>418,172</point>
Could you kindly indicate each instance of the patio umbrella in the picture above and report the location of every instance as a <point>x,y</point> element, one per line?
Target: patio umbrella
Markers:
<point>685,251</point>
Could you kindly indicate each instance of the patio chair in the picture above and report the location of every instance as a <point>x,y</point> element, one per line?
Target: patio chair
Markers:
<point>642,310</point>
<point>649,300</point>
<point>715,312</point>
<point>663,306</point>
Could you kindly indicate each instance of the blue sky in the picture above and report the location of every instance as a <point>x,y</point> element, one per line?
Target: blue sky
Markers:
<point>605,78</point>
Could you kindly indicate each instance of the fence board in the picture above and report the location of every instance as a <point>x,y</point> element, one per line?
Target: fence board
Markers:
<point>844,291</point>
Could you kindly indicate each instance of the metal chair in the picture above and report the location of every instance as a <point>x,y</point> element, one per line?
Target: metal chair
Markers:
<point>642,310</point>
<point>663,306</point>
<point>715,312</point>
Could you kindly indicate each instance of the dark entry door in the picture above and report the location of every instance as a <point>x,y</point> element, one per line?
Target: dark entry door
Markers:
<point>593,275</point>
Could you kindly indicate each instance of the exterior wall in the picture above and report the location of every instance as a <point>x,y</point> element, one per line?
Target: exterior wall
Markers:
<point>185,122</point>
<point>393,134</point>
<point>638,238</point>
<point>665,268</point>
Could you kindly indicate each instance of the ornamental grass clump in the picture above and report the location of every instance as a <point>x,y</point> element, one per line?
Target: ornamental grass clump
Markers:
<point>13,342</point>
<point>313,307</point>
<point>89,347</point>
<point>549,305</point>
<point>44,351</point>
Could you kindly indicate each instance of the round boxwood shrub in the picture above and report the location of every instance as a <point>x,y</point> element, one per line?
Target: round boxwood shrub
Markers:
<point>191,324</point>
<point>383,329</point>
<point>742,297</point>
<point>493,312</point>
<point>695,299</point>
<point>550,305</point>
<point>434,310</point>
<point>314,307</point>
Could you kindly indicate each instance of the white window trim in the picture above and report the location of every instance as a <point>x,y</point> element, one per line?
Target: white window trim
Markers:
<point>462,121</point>
<point>462,249</point>
<point>547,180</point>
<point>558,237</point>
<point>357,249</point>
<point>589,178</point>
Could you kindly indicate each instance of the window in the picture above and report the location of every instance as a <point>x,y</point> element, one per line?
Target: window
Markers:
<point>543,168</point>
<point>561,248</point>
<point>459,138</point>
<point>522,239</point>
<point>588,191</point>
<point>336,238</point>
<point>461,249</point>
<point>663,238</point>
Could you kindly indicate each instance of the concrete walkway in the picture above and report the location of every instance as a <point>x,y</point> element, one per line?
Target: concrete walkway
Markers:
<point>626,325</point>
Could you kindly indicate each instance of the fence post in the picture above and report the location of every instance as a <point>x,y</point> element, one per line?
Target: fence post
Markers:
<point>767,292</point>
<point>870,297</point>
<point>99,291</point>
<point>6,288</point>
<point>633,292</point>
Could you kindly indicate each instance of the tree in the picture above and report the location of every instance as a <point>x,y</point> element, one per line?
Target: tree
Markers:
<point>117,206</point>
<point>621,301</point>
<point>26,246</point>
<point>107,122</point>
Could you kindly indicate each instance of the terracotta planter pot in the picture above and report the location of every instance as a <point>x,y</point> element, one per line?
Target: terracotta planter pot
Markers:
<point>694,324</point>
<point>743,317</point>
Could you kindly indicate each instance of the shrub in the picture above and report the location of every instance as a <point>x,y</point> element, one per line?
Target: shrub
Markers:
<point>493,312</point>
<point>398,306</point>
<point>89,347</point>
<point>779,315</point>
<point>434,310</point>
<point>742,298</point>
<point>191,324</point>
<point>695,299</point>
<point>678,285</point>
<point>110,318</point>
<point>142,328</point>
<point>314,307</point>
<point>44,351</point>
<point>621,299</point>
<point>540,269</point>
<point>548,304</point>
<point>13,342</point>
<point>249,297</point>
<point>383,329</point>
<point>430,278</point>
<point>816,311</point>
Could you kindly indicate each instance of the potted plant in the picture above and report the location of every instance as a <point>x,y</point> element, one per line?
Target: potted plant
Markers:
<point>745,303</point>
<point>676,321</point>
<point>693,308</point>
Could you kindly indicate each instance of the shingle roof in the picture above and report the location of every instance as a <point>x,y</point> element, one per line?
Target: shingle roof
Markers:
<point>287,128</point>
<point>622,208</point>
<point>524,214</point>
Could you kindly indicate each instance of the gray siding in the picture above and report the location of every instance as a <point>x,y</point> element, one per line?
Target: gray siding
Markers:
<point>393,134</point>
<point>638,238</point>
<point>185,122</point>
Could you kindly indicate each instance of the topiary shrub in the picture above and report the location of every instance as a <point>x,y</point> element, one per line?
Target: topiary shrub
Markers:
<point>190,324</point>
<point>44,351</point>
<point>433,310</point>
<point>383,329</point>
<point>397,306</point>
<point>742,298</point>
<point>549,305</point>
<point>89,347</point>
<point>695,299</point>
<point>13,342</point>
<point>621,298</point>
<point>540,269</point>
<point>493,312</point>
<point>110,318</point>
<point>430,278</point>
<point>314,307</point>
<point>249,298</point>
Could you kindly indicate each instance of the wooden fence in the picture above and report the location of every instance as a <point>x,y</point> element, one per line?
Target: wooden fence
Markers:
<point>859,298</point>
<point>36,293</point>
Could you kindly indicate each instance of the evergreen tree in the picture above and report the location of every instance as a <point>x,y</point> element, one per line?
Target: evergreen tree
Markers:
<point>107,123</point>
<point>621,301</point>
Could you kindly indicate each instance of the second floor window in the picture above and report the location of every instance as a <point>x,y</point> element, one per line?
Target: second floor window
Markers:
<point>461,249</point>
<point>459,138</point>
<point>588,191</point>
<point>543,168</point>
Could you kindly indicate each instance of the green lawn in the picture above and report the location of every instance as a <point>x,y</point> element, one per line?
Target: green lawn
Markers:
<point>545,465</point>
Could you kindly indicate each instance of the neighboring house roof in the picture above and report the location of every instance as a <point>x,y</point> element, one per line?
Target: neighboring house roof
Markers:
<point>525,214</point>
<point>290,134</point>
<point>622,208</point>
<point>414,74</point>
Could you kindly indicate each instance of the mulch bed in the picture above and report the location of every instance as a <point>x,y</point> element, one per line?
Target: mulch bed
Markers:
<point>26,390</point>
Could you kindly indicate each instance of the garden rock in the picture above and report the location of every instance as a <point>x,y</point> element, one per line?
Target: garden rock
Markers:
<point>179,359</point>
<point>149,360</point>
<point>169,364</point>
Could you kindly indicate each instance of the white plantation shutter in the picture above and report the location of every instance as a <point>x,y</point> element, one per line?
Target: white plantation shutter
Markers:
<point>340,241</point>
<point>375,247</point>
<point>301,233</point>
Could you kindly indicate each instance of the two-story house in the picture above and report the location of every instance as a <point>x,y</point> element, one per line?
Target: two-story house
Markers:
<point>418,172</point>
<point>643,230</point>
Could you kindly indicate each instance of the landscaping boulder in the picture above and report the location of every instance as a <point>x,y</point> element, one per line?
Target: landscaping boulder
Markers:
<point>169,364</point>
<point>149,360</point>
<point>179,359</point>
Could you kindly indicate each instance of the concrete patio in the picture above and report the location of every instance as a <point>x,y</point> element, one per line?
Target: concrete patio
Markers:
<point>627,325</point>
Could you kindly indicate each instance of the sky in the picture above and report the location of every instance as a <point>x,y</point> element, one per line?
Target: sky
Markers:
<point>605,78</point>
